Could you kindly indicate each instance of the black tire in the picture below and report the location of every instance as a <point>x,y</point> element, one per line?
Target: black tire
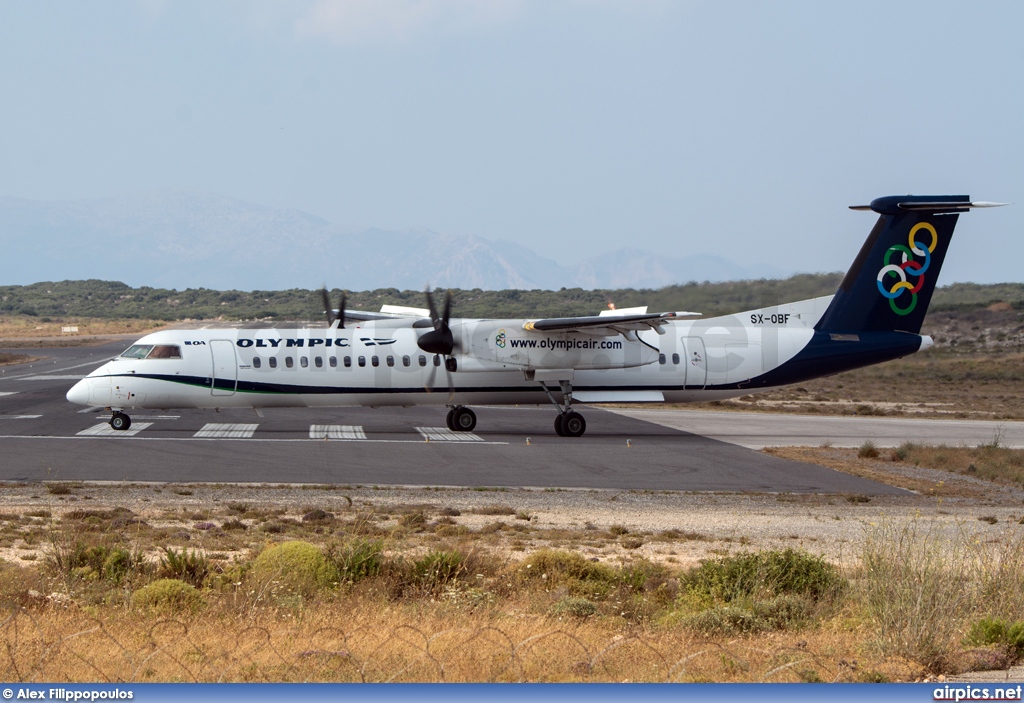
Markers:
<point>450,420</point>
<point>120,422</point>
<point>464,420</point>
<point>558,425</point>
<point>573,424</point>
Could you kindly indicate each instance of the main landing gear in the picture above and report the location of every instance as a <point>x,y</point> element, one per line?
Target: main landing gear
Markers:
<point>568,422</point>
<point>461,419</point>
<point>119,421</point>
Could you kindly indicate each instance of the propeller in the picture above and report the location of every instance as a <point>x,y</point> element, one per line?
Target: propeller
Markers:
<point>331,317</point>
<point>439,341</point>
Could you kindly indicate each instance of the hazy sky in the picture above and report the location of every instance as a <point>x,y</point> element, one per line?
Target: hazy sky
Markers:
<point>742,129</point>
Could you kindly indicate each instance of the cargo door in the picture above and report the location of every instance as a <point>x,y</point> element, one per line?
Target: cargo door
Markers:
<point>225,367</point>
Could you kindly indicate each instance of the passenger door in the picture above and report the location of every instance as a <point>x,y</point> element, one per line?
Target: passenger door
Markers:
<point>225,368</point>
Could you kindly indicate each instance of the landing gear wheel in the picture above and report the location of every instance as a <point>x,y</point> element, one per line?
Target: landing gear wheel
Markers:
<point>450,420</point>
<point>558,425</point>
<point>463,419</point>
<point>120,422</point>
<point>573,424</point>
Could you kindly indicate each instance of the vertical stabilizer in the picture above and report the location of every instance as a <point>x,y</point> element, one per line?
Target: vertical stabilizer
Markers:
<point>891,282</point>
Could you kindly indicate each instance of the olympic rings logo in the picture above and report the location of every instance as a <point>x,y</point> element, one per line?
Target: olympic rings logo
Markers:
<point>907,267</point>
<point>500,339</point>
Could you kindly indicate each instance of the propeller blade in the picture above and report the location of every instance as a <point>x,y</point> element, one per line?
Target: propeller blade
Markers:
<point>447,308</point>
<point>341,310</point>
<point>451,386</point>
<point>433,310</point>
<point>327,306</point>
<point>430,379</point>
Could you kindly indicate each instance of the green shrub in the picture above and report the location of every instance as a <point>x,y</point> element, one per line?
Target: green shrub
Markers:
<point>1000,633</point>
<point>574,606</point>
<point>168,595</point>
<point>296,566</point>
<point>764,575</point>
<point>868,450</point>
<point>189,566</point>
<point>780,613</point>
<point>76,559</point>
<point>438,568</point>
<point>357,560</point>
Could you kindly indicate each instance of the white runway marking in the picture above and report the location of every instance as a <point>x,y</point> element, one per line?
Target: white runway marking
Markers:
<point>19,417</point>
<point>52,377</point>
<point>443,434</point>
<point>336,432</point>
<point>93,409</point>
<point>8,392</point>
<point>105,430</point>
<point>227,430</point>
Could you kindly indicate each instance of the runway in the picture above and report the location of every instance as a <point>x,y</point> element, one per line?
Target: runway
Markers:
<point>43,437</point>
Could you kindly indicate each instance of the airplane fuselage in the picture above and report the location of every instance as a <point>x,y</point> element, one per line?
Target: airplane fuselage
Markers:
<point>379,363</point>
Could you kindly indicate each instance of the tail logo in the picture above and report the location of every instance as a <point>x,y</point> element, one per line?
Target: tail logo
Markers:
<point>909,267</point>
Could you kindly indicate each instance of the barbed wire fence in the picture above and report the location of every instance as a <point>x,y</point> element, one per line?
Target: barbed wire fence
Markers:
<point>169,651</point>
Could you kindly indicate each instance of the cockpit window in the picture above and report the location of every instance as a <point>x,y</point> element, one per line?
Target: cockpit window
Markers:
<point>150,351</point>
<point>165,351</point>
<point>137,351</point>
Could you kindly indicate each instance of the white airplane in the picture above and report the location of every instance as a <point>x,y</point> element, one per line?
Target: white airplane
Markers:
<point>392,357</point>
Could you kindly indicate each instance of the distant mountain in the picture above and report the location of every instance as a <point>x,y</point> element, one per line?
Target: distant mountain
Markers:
<point>191,240</point>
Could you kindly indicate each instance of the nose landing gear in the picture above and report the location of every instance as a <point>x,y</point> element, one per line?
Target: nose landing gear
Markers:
<point>119,421</point>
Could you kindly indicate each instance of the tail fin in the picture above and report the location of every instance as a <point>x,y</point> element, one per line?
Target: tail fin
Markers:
<point>892,279</point>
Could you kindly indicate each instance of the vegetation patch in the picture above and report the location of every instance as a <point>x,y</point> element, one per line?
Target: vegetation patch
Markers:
<point>297,567</point>
<point>169,595</point>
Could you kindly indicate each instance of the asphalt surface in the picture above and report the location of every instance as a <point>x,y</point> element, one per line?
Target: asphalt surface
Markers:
<point>43,437</point>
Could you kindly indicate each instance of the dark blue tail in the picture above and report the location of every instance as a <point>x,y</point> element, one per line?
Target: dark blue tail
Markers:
<point>890,284</point>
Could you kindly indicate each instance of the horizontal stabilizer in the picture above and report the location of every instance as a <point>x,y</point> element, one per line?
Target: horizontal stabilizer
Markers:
<point>894,204</point>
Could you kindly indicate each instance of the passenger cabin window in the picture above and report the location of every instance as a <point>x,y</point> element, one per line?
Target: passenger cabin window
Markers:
<point>362,361</point>
<point>303,362</point>
<point>256,363</point>
<point>675,359</point>
<point>151,351</point>
<point>661,358</point>
<point>437,360</point>
<point>406,361</point>
<point>375,360</point>
<point>318,362</point>
<point>273,362</point>
<point>391,361</point>
<point>348,362</point>
<point>289,362</point>
<point>423,360</point>
<point>333,361</point>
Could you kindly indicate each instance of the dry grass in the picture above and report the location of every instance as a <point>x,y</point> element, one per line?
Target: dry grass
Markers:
<point>360,639</point>
<point>936,383</point>
<point>21,327</point>
<point>425,603</point>
<point>9,359</point>
<point>988,462</point>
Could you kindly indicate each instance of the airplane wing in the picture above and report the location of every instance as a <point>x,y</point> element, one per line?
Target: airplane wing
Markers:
<point>612,323</point>
<point>387,312</point>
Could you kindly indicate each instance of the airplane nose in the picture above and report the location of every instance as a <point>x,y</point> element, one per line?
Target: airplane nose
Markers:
<point>79,392</point>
